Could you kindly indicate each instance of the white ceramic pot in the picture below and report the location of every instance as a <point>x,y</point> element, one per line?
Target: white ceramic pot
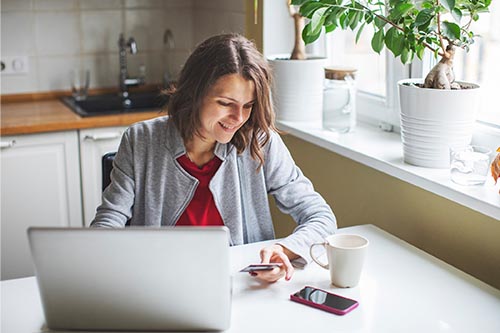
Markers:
<point>433,119</point>
<point>438,104</point>
<point>298,88</point>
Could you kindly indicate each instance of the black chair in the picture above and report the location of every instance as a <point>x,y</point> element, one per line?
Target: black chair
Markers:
<point>107,166</point>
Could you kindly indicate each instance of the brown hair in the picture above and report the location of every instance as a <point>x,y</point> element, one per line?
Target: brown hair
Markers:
<point>215,57</point>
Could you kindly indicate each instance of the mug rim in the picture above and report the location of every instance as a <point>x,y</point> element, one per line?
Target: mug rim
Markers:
<point>366,241</point>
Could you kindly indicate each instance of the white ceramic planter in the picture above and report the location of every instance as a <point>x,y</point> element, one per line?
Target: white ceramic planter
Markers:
<point>432,120</point>
<point>298,88</point>
<point>438,104</point>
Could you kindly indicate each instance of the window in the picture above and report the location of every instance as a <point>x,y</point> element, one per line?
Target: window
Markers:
<point>377,74</point>
<point>480,64</point>
<point>342,50</point>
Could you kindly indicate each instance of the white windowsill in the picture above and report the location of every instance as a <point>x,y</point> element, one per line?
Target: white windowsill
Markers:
<point>383,151</point>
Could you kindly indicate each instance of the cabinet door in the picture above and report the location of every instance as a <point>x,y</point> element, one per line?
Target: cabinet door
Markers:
<point>94,143</point>
<point>40,186</point>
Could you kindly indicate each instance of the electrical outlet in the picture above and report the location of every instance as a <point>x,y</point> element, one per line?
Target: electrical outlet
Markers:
<point>14,65</point>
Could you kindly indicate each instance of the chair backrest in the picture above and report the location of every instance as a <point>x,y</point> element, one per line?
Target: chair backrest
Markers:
<point>107,166</point>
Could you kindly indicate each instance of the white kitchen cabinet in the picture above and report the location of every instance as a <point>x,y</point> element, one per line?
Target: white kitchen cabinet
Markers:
<point>40,186</point>
<point>94,143</point>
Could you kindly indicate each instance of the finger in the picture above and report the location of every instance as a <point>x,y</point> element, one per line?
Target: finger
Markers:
<point>265,255</point>
<point>271,276</point>
<point>287,265</point>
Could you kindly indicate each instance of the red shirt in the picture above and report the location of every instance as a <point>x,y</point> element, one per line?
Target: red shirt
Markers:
<point>201,211</point>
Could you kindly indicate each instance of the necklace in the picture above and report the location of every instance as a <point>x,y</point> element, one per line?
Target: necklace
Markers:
<point>198,165</point>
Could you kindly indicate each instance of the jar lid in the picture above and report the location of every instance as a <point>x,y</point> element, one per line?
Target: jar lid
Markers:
<point>339,73</point>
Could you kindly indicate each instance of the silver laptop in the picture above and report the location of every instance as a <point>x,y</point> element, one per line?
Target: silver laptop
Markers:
<point>149,279</point>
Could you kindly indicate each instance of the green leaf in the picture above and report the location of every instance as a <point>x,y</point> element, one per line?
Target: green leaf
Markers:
<point>330,28</point>
<point>450,30</point>
<point>309,8</point>
<point>424,17</point>
<point>318,19</point>
<point>427,5</point>
<point>379,23</point>
<point>394,40</point>
<point>332,17</point>
<point>343,20</point>
<point>307,34</point>
<point>378,41</point>
<point>353,19</point>
<point>420,51</point>
<point>457,14</point>
<point>298,2</point>
<point>368,18</point>
<point>358,34</point>
<point>448,4</point>
<point>401,10</point>
<point>406,55</point>
<point>393,3</point>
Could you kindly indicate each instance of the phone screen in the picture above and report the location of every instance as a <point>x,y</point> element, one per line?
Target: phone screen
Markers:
<point>326,299</point>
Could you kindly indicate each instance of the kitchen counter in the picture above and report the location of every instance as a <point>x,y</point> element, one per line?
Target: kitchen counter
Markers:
<point>28,117</point>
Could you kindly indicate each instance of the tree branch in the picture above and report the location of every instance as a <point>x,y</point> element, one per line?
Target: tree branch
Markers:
<point>440,36</point>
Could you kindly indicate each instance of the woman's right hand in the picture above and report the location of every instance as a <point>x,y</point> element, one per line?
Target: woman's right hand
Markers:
<point>275,254</point>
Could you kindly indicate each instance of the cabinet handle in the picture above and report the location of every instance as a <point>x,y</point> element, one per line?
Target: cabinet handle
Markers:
<point>104,136</point>
<point>9,144</point>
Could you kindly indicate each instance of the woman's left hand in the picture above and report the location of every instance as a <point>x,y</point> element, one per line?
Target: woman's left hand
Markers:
<point>279,254</point>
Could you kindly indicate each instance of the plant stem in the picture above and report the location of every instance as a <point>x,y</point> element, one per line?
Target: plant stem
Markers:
<point>445,54</point>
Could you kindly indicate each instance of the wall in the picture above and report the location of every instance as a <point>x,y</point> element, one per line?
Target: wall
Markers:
<point>361,195</point>
<point>60,35</point>
<point>278,32</point>
<point>217,16</point>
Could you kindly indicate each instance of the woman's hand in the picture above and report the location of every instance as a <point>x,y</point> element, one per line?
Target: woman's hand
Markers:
<point>279,254</point>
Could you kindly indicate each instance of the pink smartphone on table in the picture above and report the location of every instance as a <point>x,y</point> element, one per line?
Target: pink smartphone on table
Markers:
<point>324,300</point>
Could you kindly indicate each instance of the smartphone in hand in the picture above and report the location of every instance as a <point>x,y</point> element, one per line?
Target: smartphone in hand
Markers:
<point>324,300</point>
<point>261,267</point>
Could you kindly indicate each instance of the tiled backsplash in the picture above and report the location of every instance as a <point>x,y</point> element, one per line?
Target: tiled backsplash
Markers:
<point>60,35</point>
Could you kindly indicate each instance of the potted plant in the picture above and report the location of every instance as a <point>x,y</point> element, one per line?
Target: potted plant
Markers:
<point>298,78</point>
<point>436,111</point>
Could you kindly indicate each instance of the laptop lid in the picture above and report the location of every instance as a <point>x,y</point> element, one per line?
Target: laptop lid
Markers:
<point>133,278</point>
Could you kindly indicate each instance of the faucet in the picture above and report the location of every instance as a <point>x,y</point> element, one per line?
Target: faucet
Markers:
<point>169,45</point>
<point>126,81</point>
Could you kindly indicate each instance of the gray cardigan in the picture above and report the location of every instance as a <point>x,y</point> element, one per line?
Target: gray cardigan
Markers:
<point>149,187</point>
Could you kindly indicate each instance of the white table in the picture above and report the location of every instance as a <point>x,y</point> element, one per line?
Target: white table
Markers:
<point>402,289</point>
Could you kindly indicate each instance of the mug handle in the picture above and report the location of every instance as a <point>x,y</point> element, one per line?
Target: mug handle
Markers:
<point>325,266</point>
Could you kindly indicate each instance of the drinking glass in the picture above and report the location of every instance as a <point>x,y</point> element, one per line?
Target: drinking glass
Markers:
<point>80,81</point>
<point>469,164</point>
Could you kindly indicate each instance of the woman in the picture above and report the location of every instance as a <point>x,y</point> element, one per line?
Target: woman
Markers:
<point>215,159</point>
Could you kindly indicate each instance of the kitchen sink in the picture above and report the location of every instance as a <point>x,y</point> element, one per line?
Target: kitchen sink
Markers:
<point>109,104</point>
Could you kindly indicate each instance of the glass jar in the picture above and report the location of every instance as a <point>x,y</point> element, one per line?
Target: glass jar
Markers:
<point>339,99</point>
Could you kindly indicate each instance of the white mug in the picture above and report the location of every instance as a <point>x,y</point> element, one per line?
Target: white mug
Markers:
<point>346,254</point>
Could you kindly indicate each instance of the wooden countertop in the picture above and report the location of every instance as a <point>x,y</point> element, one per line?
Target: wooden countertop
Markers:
<point>52,115</point>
